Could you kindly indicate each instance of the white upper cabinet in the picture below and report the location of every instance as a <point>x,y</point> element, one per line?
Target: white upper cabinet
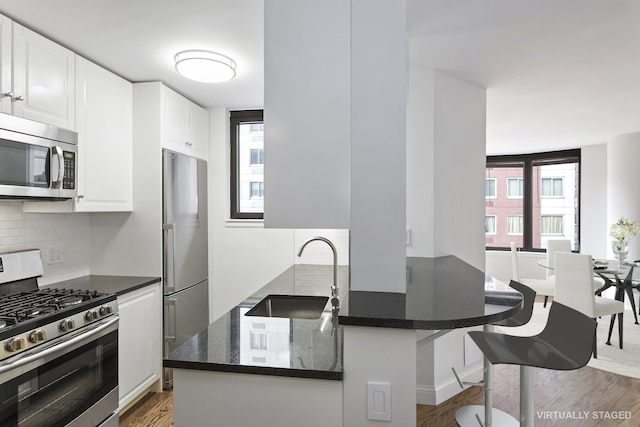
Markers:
<point>38,77</point>
<point>185,125</point>
<point>105,139</point>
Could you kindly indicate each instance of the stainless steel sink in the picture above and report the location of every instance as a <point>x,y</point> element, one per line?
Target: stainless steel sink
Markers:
<point>290,306</point>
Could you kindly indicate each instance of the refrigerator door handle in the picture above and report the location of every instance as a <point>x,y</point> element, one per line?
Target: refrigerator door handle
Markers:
<point>172,316</point>
<point>169,257</point>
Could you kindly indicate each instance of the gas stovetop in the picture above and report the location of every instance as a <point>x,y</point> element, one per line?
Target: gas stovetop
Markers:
<point>29,319</point>
<point>30,316</point>
<point>43,306</point>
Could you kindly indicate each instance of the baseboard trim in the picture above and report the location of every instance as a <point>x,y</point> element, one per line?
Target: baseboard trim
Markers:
<point>431,395</point>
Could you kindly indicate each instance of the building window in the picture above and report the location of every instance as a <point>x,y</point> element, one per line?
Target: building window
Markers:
<point>256,190</point>
<point>515,224</point>
<point>490,224</point>
<point>551,187</point>
<point>490,188</point>
<point>515,187</point>
<point>259,340</point>
<point>257,156</point>
<point>551,224</point>
<point>541,201</point>
<point>247,164</point>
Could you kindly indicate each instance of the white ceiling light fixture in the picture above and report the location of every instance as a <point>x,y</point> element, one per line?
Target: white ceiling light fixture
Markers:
<point>205,66</point>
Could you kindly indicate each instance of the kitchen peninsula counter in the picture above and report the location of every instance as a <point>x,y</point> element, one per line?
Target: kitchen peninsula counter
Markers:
<point>442,293</point>
<point>303,348</point>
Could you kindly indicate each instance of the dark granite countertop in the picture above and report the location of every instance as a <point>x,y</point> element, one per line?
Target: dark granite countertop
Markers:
<point>442,293</point>
<point>118,285</point>
<point>302,348</point>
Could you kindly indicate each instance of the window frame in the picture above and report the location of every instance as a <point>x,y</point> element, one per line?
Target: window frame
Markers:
<point>528,161</point>
<point>495,188</point>
<point>236,118</point>
<point>520,179</point>
<point>495,225</point>
<point>553,179</point>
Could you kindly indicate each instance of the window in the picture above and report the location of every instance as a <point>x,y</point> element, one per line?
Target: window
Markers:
<point>257,156</point>
<point>551,187</point>
<point>490,188</point>
<point>259,341</point>
<point>490,224</point>
<point>256,190</point>
<point>247,164</point>
<point>515,187</point>
<point>541,201</point>
<point>551,224</point>
<point>515,224</point>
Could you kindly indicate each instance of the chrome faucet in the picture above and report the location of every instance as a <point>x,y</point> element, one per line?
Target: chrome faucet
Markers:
<point>335,300</point>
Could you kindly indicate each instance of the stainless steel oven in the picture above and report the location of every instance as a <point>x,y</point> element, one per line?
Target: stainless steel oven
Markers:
<point>36,160</point>
<point>73,382</point>
<point>58,350</point>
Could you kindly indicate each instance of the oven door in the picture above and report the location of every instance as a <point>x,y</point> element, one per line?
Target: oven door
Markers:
<point>71,382</point>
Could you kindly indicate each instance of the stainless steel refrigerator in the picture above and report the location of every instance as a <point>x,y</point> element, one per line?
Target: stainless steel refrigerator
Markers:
<point>185,278</point>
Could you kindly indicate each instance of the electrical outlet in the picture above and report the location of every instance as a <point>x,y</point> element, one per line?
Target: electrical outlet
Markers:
<point>55,255</point>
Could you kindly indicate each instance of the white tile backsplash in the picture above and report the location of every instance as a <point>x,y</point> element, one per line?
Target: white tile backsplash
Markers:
<point>68,231</point>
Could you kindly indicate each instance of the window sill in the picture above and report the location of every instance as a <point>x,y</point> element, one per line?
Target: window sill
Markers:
<point>244,223</point>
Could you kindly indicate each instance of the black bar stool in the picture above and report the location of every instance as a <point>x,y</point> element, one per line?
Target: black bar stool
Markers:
<point>486,415</point>
<point>566,343</point>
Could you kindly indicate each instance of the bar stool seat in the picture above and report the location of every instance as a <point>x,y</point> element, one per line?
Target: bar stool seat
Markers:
<point>566,343</point>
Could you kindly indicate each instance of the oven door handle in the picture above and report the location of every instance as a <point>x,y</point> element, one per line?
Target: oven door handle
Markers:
<point>61,347</point>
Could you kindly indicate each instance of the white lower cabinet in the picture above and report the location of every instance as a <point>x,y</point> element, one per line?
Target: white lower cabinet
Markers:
<point>139,343</point>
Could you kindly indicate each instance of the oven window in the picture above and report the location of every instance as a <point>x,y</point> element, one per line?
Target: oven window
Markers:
<point>24,164</point>
<point>59,391</point>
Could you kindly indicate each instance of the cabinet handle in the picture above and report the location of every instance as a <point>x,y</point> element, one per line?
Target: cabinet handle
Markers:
<point>12,96</point>
<point>188,144</point>
<point>80,196</point>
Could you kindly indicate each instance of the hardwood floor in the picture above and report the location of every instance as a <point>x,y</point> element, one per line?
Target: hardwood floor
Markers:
<point>595,396</point>
<point>154,410</point>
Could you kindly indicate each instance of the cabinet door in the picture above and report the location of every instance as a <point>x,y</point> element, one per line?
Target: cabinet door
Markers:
<point>5,64</point>
<point>173,121</point>
<point>140,345</point>
<point>43,75</point>
<point>197,131</point>
<point>105,139</point>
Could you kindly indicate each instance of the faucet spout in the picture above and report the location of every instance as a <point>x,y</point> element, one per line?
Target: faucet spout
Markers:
<point>335,301</point>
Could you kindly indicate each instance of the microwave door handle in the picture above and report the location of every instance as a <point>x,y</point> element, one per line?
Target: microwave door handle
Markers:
<point>57,151</point>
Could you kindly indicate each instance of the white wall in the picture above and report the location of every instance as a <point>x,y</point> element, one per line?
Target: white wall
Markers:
<point>68,231</point>
<point>445,202</point>
<point>243,256</point>
<point>594,227</point>
<point>306,114</point>
<point>623,176</point>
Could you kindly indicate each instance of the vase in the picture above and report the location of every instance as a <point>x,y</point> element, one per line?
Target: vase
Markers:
<point>620,249</point>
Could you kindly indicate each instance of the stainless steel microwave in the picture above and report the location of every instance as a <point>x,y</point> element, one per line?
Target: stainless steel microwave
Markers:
<point>37,160</point>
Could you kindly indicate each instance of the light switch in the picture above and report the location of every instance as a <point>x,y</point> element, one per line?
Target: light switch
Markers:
<point>379,401</point>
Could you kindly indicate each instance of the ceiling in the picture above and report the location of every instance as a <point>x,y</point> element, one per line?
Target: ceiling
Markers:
<point>559,74</point>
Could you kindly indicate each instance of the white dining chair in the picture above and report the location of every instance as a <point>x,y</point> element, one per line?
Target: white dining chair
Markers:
<point>541,286</point>
<point>574,288</point>
<point>553,246</point>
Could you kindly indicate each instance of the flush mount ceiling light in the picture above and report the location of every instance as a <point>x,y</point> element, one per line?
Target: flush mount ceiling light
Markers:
<point>205,66</point>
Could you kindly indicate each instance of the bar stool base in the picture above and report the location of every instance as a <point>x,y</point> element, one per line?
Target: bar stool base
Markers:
<point>466,417</point>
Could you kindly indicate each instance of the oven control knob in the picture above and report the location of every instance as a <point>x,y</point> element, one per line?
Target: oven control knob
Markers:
<point>67,325</point>
<point>37,336</point>
<point>15,344</point>
<point>106,309</point>
<point>91,315</point>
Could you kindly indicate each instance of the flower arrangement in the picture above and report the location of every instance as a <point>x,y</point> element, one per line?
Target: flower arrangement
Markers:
<point>624,230</point>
